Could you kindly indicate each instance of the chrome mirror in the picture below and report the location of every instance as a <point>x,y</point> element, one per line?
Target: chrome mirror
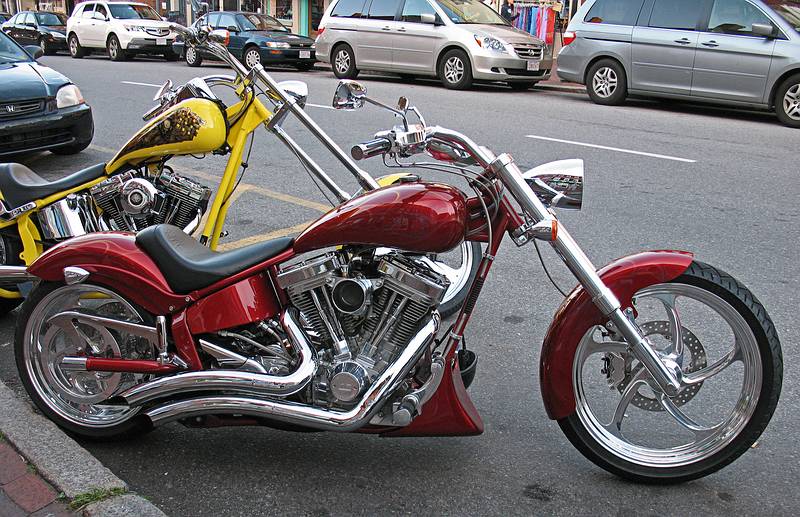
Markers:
<point>298,90</point>
<point>349,95</point>
<point>402,104</point>
<point>167,86</point>
<point>221,36</point>
<point>558,184</point>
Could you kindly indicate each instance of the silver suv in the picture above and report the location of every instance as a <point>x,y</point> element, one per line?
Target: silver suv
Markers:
<point>737,52</point>
<point>456,40</point>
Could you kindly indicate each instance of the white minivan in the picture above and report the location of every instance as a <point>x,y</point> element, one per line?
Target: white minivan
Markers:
<point>123,29</point>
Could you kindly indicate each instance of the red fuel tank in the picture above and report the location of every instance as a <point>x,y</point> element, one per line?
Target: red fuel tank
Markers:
<point>421,217</point>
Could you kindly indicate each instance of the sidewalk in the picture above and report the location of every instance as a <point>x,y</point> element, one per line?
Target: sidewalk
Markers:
<point>23,492</point>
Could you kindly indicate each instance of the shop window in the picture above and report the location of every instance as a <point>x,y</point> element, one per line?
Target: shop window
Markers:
<point>283,12</point>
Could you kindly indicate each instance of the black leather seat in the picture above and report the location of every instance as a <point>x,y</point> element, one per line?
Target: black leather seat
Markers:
<point>189,266</point>
<point>21,185</point>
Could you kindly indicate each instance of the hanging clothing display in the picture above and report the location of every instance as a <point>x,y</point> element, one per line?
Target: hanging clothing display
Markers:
<point>537,19</point>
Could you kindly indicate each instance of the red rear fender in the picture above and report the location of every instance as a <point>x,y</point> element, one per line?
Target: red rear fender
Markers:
<point>115,261</point>
<point>578,314</point>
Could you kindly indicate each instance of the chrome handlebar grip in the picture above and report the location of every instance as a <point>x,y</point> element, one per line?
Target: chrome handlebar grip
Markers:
<point>371,148</point>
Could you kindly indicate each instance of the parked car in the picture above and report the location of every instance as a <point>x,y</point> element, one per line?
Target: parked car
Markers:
<point>255,39</point>
<point>123,29</point>
<point>43,28</point>
<point>39,108</point>
<point>736,52</point>
<point>457,41</point>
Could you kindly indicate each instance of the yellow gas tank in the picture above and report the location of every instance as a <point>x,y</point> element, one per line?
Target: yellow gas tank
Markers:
<point>193,126</point>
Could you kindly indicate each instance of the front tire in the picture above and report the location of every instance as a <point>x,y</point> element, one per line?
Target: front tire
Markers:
<point>607,83</point>
<point>251,57</point>
<point>75,48</point>
<point>787,101</point>
<point>115,50</point>
<point>620,448</point>
<point>344,62</point>
<point>455,70</point>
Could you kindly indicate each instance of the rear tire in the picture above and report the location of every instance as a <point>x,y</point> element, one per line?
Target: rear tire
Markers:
<point>722,443</point>
<point>343,61</point>
<point>75,48</point>
<point>115,50</point>
<point>192,56</point>
<point>787,101</point>
<point>455,70</point>
<point>607,83</point>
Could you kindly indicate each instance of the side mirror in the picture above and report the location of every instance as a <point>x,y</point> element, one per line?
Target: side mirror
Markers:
<point>203,8</point>
<point>428,18</point>
<point>558,184</point>
<point>763,29</point>
<point>297,90</point>
<point>35,51</point>
<point>349,95</point>
<point>167,86</point>
<point>222,36</point>
<point>233,29</point>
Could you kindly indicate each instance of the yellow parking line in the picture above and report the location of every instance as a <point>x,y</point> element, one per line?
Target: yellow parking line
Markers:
<point>283,232</point>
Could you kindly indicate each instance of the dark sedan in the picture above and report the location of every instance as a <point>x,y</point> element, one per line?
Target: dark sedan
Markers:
<point>43,28</point>
<point>40,109</point>
<point>255,39</point>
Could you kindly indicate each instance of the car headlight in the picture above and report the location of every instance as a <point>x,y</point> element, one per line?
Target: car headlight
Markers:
<point>491,43</point>
<point>277,44</point>
<point>56,35</point>
<point>134,28</point>
<point>68,95</point>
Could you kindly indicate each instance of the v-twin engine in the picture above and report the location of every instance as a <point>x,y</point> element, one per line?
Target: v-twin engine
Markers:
<point>361,314</point>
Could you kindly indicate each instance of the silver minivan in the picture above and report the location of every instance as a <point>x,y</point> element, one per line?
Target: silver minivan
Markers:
<point>737,52</point>
<point>457,41</point>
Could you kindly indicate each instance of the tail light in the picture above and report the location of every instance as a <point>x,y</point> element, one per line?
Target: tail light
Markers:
<point>320,31</point>
<point>569,37</point>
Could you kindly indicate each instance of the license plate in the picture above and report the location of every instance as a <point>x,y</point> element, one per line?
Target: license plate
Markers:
<point>533,66</point>
<point>305,54</point>
<point>163,41</point>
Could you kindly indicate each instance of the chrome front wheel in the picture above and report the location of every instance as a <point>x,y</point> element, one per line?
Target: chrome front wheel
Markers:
<point>727,348</point>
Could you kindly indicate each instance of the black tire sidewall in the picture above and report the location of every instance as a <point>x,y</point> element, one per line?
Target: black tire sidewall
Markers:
<point>779,95</point>
<point>466,79</point>
<point>772,374</point>
<point>131,427</point>
<point>620,94</point>
<point>352,71</point>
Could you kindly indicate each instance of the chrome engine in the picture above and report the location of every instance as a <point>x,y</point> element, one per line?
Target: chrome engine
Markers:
<point>131,202</point>
<point>361,314</point>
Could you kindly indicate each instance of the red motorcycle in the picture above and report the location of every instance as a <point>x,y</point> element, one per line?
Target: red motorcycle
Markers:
<point>657,367</point>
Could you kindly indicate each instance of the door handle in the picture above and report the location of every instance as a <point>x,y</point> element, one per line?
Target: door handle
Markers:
<point>711,43</point>
<point>683,41</point>
<point>387,28</point>
<point>401,29</point>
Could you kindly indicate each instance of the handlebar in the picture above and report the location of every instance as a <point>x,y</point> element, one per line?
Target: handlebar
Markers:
<point>371,148</point>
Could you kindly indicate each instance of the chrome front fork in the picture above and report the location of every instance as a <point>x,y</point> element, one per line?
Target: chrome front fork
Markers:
<point>666,374</point>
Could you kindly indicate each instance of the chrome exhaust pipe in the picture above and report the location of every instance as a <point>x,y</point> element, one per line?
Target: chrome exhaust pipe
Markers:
<point>233,380</point>
<point>301,414</point>
<point>16,274</point>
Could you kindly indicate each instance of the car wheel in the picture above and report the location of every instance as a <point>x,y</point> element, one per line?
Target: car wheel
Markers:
<point>171,55</point>
<point>252,57</point>
<point>75,49</point>
<point>46,48</point>
<point>607,83</point>
<point>787,101</point>
<point>192,56</point>
<point>455,70</point>
<point>115,51</point>
<point>344,62</point>
<point>521,85</point>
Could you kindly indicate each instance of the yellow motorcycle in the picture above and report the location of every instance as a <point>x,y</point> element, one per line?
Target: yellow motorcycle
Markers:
<point>137,188</point>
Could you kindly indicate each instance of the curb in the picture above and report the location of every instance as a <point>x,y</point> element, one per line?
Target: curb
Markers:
<point>65,464</point>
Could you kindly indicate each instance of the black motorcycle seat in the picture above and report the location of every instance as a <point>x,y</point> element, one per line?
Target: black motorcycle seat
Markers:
<point>188,265</point>
<point>20,185</point>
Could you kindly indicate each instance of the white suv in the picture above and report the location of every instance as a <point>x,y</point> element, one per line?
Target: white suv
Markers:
<point>123,29</point>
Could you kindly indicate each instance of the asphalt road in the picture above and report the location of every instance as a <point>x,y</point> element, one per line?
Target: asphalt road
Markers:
<point>719,182</point>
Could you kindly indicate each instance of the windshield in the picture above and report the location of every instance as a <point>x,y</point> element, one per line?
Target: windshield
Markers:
<point>470,11</point>
<point>259,22</point>
<point>133,12</point>
<point>51,19</point>
<point>10,51</point>
<point>789,10</point>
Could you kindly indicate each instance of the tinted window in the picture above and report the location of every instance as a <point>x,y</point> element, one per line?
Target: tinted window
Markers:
<point>412,10</point>
<point>383,9</point>
<point>259,22</point>
<point>87,11</point>
<point>616,12</point>
<point>676,14</point>
<point>133,12</point>
<point>210,20</point>
<point>348,9</point>
<point>10,52</point>
<point>226,20</point>
<point>101,9</point>
<point>13,19</point>
<point>51,19</point>
<point>735,17</point>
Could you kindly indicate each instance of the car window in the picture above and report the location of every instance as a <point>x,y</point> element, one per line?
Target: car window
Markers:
<point>133,12</point>
<point>87,11</point>
<point>14,18</point>
<point>676,14</point>
<point>413,9</point>
<point>226,20</point>
<point>100,8</point>
<point>614,12</point>
<point>383,9</point>
<point>471,12</point>
<point>24,20</point>
<point>51,19</point>
<point>348,9</point>
<point>789,10</point>
<point>259,22</point>
<point>210,20</point>
<point>10,52</point>
<point>735,17</point>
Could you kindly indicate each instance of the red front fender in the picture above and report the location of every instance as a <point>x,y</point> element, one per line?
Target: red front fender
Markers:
<point>578,314</point>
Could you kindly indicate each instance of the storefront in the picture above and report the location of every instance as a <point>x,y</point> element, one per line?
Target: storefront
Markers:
<point>300,16</point>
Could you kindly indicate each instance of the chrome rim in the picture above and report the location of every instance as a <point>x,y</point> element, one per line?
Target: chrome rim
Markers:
<point>456,265</point>
<point>342,61</point>
<point>112,48</point>
<point>791,102</point>
<point>252,58</point>
<point>190,54</point>
<point>453,70</point>
<point>77,396</point>
<point>638,423</point>
<point>73,45</point>
<point>604,82</point>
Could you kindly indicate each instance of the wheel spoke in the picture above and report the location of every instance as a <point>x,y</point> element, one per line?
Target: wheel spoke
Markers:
<point>615,426</point>
<point>603,347</point>
<point>710,371</point>
<point>684,420</point>
<point>675,329</point>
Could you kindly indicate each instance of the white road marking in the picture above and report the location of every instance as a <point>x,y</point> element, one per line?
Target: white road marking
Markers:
<point>617,149</point>
<point>141,84</point>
